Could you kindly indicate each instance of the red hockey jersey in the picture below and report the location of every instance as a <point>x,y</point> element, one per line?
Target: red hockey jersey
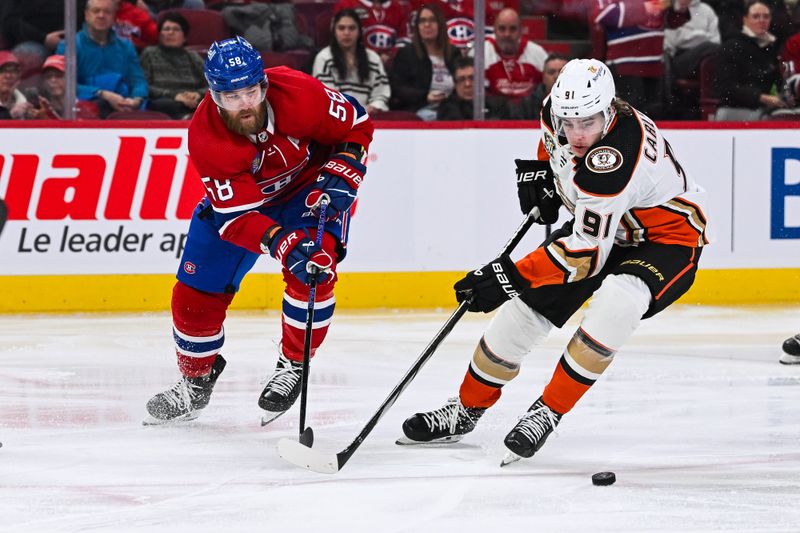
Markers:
<point>304,121</point>
<point>383,22</point>
<point>515,76</point>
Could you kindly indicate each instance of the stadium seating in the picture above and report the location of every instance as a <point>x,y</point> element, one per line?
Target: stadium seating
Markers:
<point>708,96</point>
<point>205,27</point>
<point>296,59</point>
<point>138,115</point>
<point>316,18</point>
<point>396,115</point>
<point>534,28</point>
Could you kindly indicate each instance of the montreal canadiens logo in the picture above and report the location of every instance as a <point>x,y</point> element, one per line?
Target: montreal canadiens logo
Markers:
<point>380,38</point>
<point>189,267</point>
<point>604,159</point>
<point>460,31</point>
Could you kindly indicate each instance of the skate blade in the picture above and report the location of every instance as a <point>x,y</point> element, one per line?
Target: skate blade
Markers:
<point>509,458</point>
<point>152,421</point>
<point>405,441</point>
<point>787,359</point>
<point>269,416</point>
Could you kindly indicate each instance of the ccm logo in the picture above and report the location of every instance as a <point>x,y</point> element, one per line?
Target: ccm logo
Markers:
<point>346,171</point>
<point>505,284</point>
<point>523,177</point>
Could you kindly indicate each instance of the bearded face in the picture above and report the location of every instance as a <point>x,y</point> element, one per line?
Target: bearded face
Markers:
<point>245,121</point>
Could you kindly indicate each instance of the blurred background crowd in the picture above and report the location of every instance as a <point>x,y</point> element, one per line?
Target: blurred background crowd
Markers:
<point>410,59</point>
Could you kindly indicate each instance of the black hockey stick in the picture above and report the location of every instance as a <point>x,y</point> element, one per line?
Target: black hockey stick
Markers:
<point>330,463</point>
<point>307,434</point>
<point>3,214</point>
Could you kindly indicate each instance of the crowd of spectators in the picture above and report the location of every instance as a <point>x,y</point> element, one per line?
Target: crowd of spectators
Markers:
<point>411,59</point>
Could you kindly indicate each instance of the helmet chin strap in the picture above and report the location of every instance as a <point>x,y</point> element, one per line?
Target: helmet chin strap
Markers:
<point>609,114</point>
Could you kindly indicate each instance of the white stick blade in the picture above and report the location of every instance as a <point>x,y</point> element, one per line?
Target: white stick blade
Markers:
<point>305,457</point>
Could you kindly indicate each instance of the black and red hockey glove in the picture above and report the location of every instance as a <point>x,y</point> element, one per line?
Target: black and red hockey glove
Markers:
<point>536,188</point>
<point>491,286</point>
<point>339,181</point>
<point>299,254</point>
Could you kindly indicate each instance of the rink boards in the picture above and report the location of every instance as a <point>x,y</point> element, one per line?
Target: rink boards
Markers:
<point>98,213</point>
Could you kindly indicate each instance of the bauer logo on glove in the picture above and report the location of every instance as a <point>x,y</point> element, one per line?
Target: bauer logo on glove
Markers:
<point>339,181</point>
<point>536,188</point>
<point>491,285</point>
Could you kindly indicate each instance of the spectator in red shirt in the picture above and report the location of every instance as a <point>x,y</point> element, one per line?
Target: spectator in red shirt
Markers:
<point>383,22</point>
<point>513,64</point>
<point>135,23</point>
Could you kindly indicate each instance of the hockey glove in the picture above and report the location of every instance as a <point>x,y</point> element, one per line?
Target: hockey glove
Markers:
<point>339,181</point>
<point>490,286</point>
<point>536,188</point>
<point>299,254</point>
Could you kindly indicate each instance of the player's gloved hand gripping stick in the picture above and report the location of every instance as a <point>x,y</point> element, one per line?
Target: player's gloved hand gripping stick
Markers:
<point>307,434</point>
<point>329,463</point>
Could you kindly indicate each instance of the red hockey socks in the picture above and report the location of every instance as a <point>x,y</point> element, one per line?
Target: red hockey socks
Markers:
<point>293,319</point>
<point>197,319</point>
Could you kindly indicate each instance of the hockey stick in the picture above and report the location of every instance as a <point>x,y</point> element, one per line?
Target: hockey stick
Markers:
<point>3,214</point>
<point>330,463</point>
<point>307,434</point>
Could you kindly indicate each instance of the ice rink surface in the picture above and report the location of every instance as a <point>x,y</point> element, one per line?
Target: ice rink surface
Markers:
<point>696,417</point>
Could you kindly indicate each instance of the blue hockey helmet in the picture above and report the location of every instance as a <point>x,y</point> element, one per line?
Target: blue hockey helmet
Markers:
<point>233,64</point>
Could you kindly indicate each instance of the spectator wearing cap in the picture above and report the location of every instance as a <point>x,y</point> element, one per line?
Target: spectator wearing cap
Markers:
<point>174,74</point>
<point>50,95</point>
<point>13,104</point>
<point>108,71</point>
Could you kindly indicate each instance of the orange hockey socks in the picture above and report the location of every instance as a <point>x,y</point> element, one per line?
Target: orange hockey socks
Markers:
<point>485,377</point>
<point>581,364</point>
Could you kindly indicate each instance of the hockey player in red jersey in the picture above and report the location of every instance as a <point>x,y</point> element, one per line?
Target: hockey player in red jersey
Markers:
<point>632,246</point>
<point>269,145</point>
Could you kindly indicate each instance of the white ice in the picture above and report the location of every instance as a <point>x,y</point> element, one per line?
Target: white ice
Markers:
<point>696,417</point>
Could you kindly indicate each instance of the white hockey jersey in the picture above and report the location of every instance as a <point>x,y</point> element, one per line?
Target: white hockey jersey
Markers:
<point>628,189</point>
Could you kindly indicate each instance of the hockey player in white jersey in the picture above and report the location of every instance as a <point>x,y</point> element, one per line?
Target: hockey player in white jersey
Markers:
<point>633,245</point>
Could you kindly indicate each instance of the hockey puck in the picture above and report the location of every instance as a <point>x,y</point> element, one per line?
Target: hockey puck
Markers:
<point>604,478</point>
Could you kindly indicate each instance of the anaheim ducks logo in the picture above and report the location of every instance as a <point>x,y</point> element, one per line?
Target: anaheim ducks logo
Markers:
<point>549,143</point>
<point>604,159</point>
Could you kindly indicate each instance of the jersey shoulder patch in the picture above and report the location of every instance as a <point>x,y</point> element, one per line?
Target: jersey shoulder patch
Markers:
<point>608,167</point>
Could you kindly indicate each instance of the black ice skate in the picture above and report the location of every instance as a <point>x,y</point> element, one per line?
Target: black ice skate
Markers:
<point>282,389</point>
<point>185,399</point>
<point>791,351</point>
<point>444,425</point>
<point>531,432</point>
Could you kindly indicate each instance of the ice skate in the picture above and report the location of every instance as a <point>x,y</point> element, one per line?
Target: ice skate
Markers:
<point>531,432</point>
<point>185,399</point>
<point>444,425</point>
<point>282,389</point>
<point>791,351</point>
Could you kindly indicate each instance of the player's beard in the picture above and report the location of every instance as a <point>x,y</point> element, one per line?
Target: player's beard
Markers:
<point>253,124</point>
